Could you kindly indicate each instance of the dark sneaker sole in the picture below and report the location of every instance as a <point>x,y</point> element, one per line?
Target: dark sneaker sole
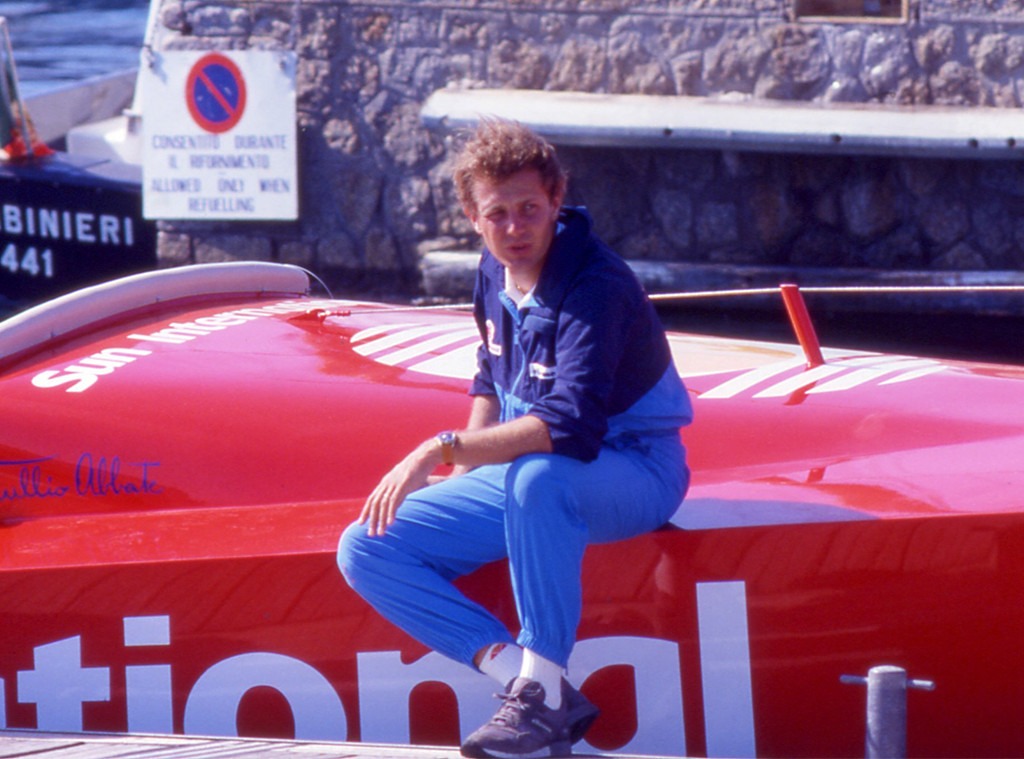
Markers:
<point>554,750</point>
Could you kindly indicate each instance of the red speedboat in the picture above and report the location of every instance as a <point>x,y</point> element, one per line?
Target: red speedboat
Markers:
<point>181,450</point>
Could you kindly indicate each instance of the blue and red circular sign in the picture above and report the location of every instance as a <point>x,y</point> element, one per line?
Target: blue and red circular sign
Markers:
<point>215,93</point>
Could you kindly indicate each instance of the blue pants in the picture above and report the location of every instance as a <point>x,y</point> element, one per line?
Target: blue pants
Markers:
<point>540,511</point>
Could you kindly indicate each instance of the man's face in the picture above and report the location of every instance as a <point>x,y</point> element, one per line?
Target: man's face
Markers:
<point>516,217</point>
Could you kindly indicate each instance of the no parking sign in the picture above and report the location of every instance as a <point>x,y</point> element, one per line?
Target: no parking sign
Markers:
<point>219,136</point>
<point>215,93</point>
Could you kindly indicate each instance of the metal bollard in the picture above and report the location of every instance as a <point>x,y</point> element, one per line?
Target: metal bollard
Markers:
<point>886,732</point>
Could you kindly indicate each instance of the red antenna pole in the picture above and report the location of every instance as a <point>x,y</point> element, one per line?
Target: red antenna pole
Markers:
<point>800,318</point>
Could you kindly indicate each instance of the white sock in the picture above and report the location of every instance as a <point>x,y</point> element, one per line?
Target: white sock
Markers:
<point>502,661</point>
<point>547,673</point>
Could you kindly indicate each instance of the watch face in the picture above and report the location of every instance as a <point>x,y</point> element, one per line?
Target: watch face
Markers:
<point>447,440</point>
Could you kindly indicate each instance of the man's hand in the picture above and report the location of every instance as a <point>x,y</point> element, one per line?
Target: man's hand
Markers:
<point>483,442</point>
<point>410,474</point>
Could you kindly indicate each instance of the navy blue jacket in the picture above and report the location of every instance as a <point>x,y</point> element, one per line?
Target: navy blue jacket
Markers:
<point>587,354</point>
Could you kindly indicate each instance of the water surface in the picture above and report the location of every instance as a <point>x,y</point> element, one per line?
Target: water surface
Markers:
<point>58,43</point>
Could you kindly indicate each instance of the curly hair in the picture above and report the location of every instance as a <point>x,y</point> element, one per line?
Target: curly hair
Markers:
<point>500,148</point>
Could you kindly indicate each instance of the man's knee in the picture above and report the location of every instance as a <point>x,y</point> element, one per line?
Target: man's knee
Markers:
<point>355,554</point>
<point>541,478</point>
<point>529,472</point>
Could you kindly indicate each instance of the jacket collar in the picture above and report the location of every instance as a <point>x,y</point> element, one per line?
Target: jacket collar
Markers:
<point>566,256</point>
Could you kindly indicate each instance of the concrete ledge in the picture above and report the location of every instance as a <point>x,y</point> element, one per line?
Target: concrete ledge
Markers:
<point>658,121</point>
<point>81,745</point>
<point>450,274</point>
<point>22,743</point>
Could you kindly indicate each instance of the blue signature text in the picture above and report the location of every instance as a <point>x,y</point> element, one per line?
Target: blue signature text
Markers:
<point>93,476</point>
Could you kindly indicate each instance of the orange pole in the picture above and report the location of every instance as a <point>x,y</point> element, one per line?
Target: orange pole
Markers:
<point>800,318</point>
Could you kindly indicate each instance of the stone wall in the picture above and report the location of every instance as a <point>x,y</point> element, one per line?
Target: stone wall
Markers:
<point>374,182</point>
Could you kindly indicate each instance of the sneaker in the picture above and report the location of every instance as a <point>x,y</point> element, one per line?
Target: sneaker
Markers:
<point>581,713</point>
<point>523,726</point>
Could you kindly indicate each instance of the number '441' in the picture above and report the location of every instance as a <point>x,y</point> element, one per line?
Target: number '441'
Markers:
<point>32,262</point>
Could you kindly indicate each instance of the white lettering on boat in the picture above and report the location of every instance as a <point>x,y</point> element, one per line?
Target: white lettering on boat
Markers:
<point>84,373</point>
<point>57,224</point>
<point>59,684</point>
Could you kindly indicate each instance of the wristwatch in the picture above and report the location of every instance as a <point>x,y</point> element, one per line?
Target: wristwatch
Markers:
<point>447,440</point>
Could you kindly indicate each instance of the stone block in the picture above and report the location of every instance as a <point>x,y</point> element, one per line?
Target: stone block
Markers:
<point>944,220</point>
<point>684,169</point>
<point>998,54</point>
<point>899,249</point>
<point>273,24</point>
<point>337,251</point>
<point>520,64</point>
<point>220,20</point>
<point>232,247</point>
<point>297,253</point>
<point>376,27</point>
<point>868,208</point>
<point>634,68</point>
<point>735,62</point>
<point>923,177</point>
<point>688,72</point>
<point>580,65</point>
<point>935,46</point>
<point>312,84</point>
<point>406,142</point>
<point>847,52</point>
<point>465,28</point>
<point>173,16</point>
<point>819,246</point>
<point>409,208</point>
<point>381,251</point>
<point>955,84</point>
<point>342,136</point>
<point>717,225</point>
<point>358,196</point>
<point>674,211</point>
<point>318,35</point>
<point>993,229</point>
<point>797,66</point>
<point>174,249</point>
<point>646,244</point>
<point>774,214</point>
<point>962,256</point>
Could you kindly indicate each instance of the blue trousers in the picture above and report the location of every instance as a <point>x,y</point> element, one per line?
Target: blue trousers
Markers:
<point>540,511</point>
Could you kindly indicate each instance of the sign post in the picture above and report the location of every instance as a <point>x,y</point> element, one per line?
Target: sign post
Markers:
<point>219,137</point>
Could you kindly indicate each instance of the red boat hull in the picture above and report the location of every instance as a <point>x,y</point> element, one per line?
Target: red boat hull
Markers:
<point>174,479</point>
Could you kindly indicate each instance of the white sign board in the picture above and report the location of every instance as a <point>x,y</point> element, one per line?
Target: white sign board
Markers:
<point>218,133</point>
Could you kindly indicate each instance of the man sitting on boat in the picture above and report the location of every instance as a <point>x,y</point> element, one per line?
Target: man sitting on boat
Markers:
<point>572,438</point>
